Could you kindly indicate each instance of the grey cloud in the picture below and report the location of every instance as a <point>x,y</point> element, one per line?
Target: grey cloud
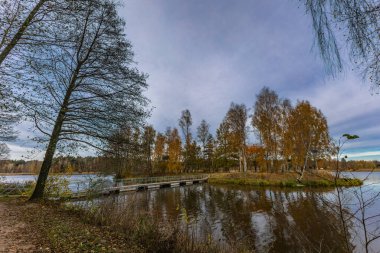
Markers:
<point>205,54</point>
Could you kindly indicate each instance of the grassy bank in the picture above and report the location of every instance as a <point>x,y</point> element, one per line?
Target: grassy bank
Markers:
<point>289,179</point>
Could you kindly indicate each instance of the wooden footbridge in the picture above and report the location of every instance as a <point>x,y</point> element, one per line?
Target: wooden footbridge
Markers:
<point>148,183</point>
<point>140,184</point>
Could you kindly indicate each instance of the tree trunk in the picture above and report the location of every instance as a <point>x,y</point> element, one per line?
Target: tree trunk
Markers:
<point>240,161</point>
<point>244,156</point>
<point>303,169</point>
<point>38,192</point>
<point>44,172</point>
<point>20,31</point>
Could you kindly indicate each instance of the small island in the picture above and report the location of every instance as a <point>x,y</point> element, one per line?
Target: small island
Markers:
<point>290,179</point>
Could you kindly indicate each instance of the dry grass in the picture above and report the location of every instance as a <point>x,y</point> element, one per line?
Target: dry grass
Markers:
<point>144,232</point>
<point>288,179</point>
<point>51,228</point>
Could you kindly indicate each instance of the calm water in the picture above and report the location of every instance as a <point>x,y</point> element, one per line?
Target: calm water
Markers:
<point>262,219</point>
<point>76,182</point>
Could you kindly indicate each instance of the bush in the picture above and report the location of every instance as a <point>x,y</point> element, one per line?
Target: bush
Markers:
<point>57,187</point>
<point>96,186</point>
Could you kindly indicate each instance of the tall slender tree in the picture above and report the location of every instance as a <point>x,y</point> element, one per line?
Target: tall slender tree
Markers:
<point>148,138</point>
<point>286,109</point>
<point>203,135</point>
<point>185,123</point>
<point>174,150</point>
<point>236,119</point>
<point>265,120</point>
<point>224,149</point>
<point>79,91</point>
<point>159,153</point>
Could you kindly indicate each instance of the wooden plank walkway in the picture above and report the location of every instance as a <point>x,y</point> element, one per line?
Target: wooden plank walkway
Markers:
<point>157,185</point>
<point>141,184</point>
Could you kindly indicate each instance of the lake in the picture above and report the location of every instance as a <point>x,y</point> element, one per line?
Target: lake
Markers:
<point>76,182</point>
<point>264,219</point>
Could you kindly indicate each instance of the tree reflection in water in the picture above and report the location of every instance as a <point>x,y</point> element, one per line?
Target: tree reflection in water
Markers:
<point>254,219</point>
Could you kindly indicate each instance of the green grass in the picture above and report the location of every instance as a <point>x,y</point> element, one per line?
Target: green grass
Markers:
<point>289,183</point>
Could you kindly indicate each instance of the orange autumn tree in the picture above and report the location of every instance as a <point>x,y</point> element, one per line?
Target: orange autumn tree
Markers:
<point>256,154</point>
<point>236,119</point>
<point>266,120</point>
<point>307,137</point>
<point>159,153</point>
<point>174,150</point>
<point>159,147</point>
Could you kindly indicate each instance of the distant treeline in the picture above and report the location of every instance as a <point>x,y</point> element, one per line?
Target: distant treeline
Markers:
<point>105,165</point>
<point>67,164</point>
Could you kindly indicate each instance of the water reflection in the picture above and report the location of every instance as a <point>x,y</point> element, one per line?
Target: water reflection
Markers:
<point>261,220</point>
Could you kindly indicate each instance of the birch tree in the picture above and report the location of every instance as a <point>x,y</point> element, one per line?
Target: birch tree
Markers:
<point>306,136</point>
<point>174,150</point>
<point>203,135</point>
<point>265,120</point>
<point>148,138</point>
<point>185,123</point>
<point>236,119</point>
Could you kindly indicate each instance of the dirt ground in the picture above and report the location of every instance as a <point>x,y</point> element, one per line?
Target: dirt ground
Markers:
<point>37,227</point>
<point>16,235</point>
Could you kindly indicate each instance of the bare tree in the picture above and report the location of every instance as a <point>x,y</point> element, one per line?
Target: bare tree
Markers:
<point>16,17</point>
<point>148,138</point>
<point>4,151</point>
<point>357,210</point>
<point>224,150</point>
<point>8,114</point>
<point>8,117</point>
<point>26,24</point>
<point>185,123</point>
<point>359,20</point>
<point>355,206</point>
<point>119,151</point>
<point>80,91</point>
<point>203,134</point>
<point>366,198</point>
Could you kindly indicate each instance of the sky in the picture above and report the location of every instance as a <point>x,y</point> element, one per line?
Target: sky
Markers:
<point>202,55</point>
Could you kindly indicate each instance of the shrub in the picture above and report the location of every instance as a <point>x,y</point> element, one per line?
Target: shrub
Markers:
<point>57,187</point>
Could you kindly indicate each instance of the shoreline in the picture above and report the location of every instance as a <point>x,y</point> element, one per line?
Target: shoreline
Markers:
<point>50,174</point>
<point>358,170</point>
<point>323,178</point>
<point>285,180</point>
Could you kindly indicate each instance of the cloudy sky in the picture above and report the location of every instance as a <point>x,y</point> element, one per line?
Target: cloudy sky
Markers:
<point>202,55</point>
